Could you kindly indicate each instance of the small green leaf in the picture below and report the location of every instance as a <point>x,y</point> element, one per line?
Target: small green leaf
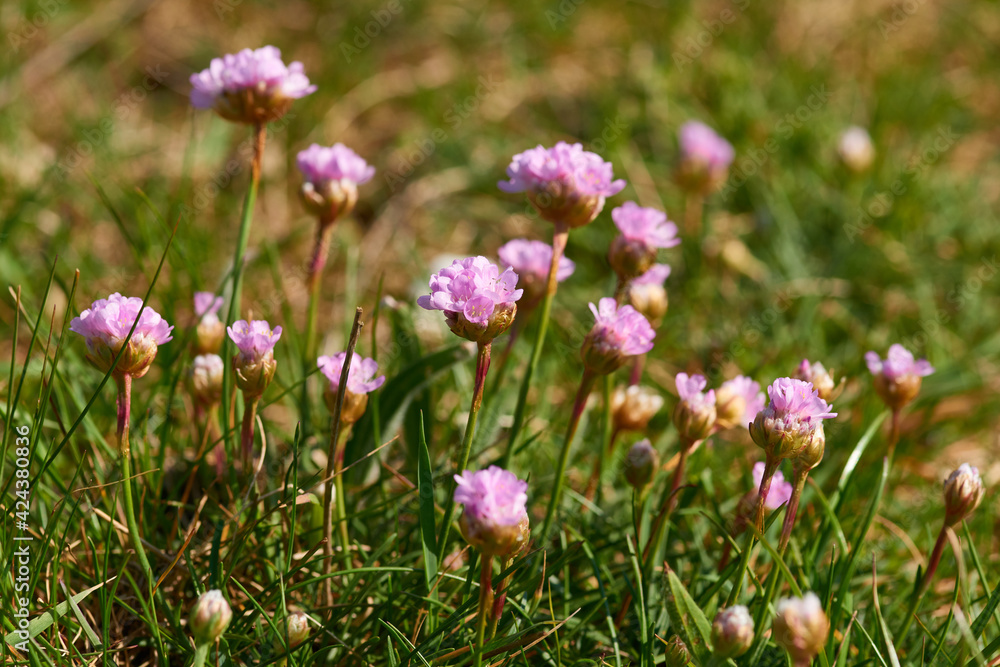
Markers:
<point>40,623</point>
<point>687,618</point>
<point>425,488</point>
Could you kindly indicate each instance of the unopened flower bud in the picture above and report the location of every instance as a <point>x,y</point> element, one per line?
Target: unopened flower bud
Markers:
<point>676,653</point>
<point>254,366</point>
<point>821,379</point>
<point>633,407</point>
<point>732,632</point>
<point>205,381</point>
<point>297,628</point>
<point>963,491</point>
<point>648,295</point>
<point>694,415</point>
<point>210,331</point>
<point>801,627</point>
<point>855,148</point>
<point>812,452</point>
<point>210,617</point>
<point>641,463</point>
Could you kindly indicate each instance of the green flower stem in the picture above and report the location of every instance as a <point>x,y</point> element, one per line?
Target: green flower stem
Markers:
<point>124,404</point>
<point>693,206</point>
<point>559,238</point>
<point>485,604</point>
<point>663,518</point>
<point>609,437</point>
<point>499,598</point>
<point>770,467</point>
<point>247,431</point>
<point>200,655</point>
<point>482,367</point>
<point>586,383</point>
<point>338,484</point>
<point>260,138</point>
<point>793,507</point>
<point>324,232</point>
<point>924,583</point>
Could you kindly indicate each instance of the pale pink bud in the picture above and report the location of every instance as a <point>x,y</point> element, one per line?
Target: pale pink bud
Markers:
<point>210,617</point>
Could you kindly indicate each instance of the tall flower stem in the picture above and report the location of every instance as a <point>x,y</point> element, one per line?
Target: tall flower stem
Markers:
<point>499,598</point>
<point>636,376</point>
<point>482,367</point>
<point>792,509</point>
<point>124,404</point>
<point>586,384</point>
<point>656,532</point>
<point>922,585</point>
<point>200,655</point>
<point>338,450</point>
<point>247,430</point>
<point>485,604</point>
<point>770,467</point>
<point>559,238</point>
<point>693,205</point>
<point>324,232</point>
<point>243,240</point>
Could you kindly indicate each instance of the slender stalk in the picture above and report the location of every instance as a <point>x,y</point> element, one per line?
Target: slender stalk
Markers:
<point>124,405</point>
<point>770,467</point>
<point>893,434</point>
<point>693,205</point>
<point>924,583</point>
<point>485,603</point>
<point>636,376</point>
<point>656,532</point>
<point>499,598</point>
<point>200,655</point>
<point>482,367</point>
<point>500,371</point>
<point>586,383</point>
<point>559,238</point>
<point>338,482</point>
<point>321,250</point>
<point>247,431</point>
<point>792,509</point>
<point>595,474</point>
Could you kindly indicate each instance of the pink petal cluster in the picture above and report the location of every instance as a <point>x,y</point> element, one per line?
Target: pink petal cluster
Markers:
<point>108,322</point>
<point>259,71</point>
<point>531,260</point>
<point>254,339</point>
<point>321,164</point>
<point>745,393</point>
<point>792,422</point>
<point>647,226</point>
<point>796,400</point>
<point>657,275</point>
<point>621,329</point>
<point>586,172</point>
<point>473,291</point>
<point>207,305</point>
<point>360,378</point>
<point>494,496</point>
<point>699,143</point>
<point>897,364</point>
<point>690,387</point>
<point>780,492</point>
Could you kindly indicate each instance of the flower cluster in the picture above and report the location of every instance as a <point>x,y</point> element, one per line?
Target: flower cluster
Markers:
<point>737,402</point>
<point>531,260</point>
<point>106,325</point>
<point>565,183</point>
<point>332,176</point>
<point>792,419</point>
<point>695,414</point>
<point>705,158</point>
<point>252,86</point>
<point>495,518</point>
<point>898,377</point>
<point>254,364</point>
<point>210,331</point>
<point>642,232</point>
<point>619,332</point>
<point>361,380</point>
<point>478,301</point>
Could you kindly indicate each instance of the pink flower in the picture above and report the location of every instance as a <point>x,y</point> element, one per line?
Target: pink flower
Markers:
<point>657,275</point>
<point>780,492</point>
<point>250,86</point>
<point>478,301</point>
<point>360,378</point>
<point>645,225</point>
<point>495,518</point>
<point>700,144</point>
<point>530,260</point>
<point>565,183</point>
<point>897,364</point>
<point>822,381</point>
<point>206,305</point>
<point>255,339</point>
<point>619,332</point>
<point>320,164</point>
<point>738,401</point>
<point>695,414</point>
<point>106,324</point>
<point>898,378</point>
<point>791,420</point>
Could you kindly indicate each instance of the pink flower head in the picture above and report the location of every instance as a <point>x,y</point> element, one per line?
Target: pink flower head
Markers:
<point>320,164</point>
<point>619,332</point>
<point>780,492</point>
<point>255,339</point>
<point>897,379</point>
<point>360,378</point>
<point>106,324</point>
<point>699,143</point>
<point>657,275</point>
<point>792,420</point>
<point>530,260</point>
<point>207,305</point>
<point>645,225</point>
<point>738,401</point>
<point>478,301</point>
<point>565,183</point>
<point>495,518</point>
<point>695,414</point>
<point>250,86</point>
